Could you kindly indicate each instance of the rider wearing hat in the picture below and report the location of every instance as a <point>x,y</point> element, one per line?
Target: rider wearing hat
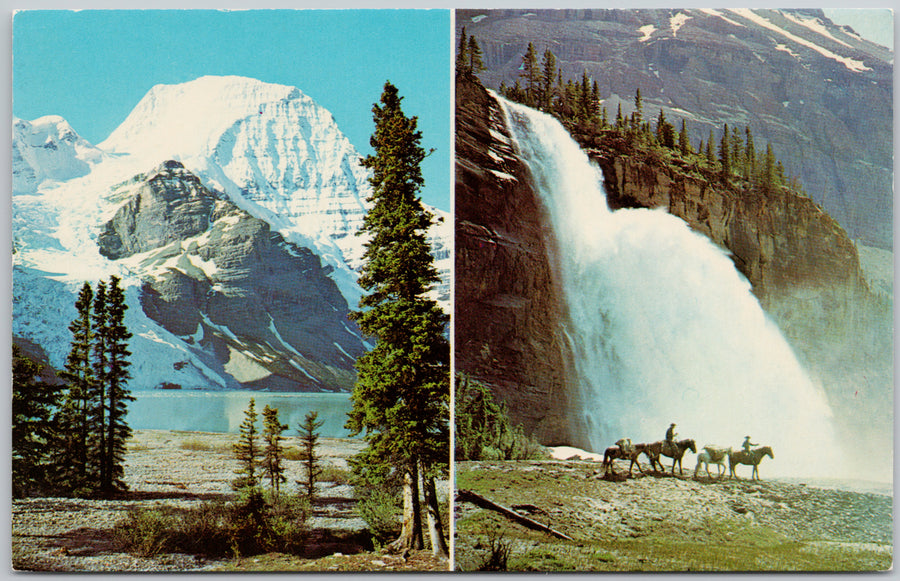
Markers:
<point>747,443</point>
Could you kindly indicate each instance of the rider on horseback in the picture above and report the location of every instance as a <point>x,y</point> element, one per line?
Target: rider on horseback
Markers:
<point>670,438</point>
<point>746,445</point>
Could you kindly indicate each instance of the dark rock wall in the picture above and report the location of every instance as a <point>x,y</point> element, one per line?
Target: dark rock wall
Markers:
<point>251,299</point>
<point>507,309</point>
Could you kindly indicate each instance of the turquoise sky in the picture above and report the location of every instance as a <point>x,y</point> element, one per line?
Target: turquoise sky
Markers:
<point>92,67</point>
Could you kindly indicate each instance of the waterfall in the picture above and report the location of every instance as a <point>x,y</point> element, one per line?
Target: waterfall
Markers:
<point>662,327</point>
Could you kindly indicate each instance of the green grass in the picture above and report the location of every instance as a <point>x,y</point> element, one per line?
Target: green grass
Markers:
<point>711,544</point>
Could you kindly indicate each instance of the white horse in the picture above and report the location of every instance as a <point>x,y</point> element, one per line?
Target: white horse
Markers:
<point>713,455</point>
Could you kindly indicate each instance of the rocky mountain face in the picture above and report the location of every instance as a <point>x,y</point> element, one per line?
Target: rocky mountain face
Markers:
<point>820,94</point>
<point>507,308</point>
<point>225,283</point>
<point>228,207</point>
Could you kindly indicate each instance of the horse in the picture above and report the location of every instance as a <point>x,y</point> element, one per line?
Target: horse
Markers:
<point>752,458</point>
<point>655,449</point>
<point>712,455</point>
<point>625,450</point>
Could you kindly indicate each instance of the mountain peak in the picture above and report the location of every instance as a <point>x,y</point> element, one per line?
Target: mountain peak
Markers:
<point>187,119</point>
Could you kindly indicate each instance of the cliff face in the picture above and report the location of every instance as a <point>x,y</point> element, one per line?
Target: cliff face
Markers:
<point>507,316</point>
<point>782,242</point>
<point>261,309</point>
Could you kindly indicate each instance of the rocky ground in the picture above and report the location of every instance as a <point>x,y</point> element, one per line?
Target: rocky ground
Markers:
<point>660,522</point>
<point>165,468</point>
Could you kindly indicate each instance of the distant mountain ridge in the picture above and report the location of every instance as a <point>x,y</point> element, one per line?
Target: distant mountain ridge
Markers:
<point>229,206</point>
<point>818,92</point>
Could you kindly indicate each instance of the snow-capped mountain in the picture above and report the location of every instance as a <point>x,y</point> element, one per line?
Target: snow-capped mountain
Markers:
<point>219,202</point>
<point>48,149</point>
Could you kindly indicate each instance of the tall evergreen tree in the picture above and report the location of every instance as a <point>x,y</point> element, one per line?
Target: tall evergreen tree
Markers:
<point>548,75</point>
<point>710,158</point>
<point>97,416</point>
<point>246,450</point>
<point>71,461</point>
<point>749,156</point>
<point>116,336</point>
<point>531,75</point>
<point>273,455</point>
<point>725,152</point>
<point>684,141</point>
<point>33,406</point>
<point>309,437</point>
<point>638,116</point>
<point>401,397</point>
<point>769,169</point>
<point>476,64</point>
<point>462,56</point>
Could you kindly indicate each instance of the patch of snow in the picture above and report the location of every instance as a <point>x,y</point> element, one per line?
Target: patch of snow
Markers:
<point>244,368</point>
<point>677,21</point>
<point>646,32</point>
<point>503,175</point>
<point>785,48</point>
<point>299,368</point>
<point>815,25</point>
<point>281,340</point>
<point>341,349</point>
<point>851,64</point>
<point>479,18</point>
<point>566,452</point>
<point>497,136</point>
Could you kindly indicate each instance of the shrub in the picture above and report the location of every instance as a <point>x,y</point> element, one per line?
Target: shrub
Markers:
<point>145,533</point>
<point>497,557</point>
<point>380,510</point>
<point>249,525</point>
<point>483,428</point>
<point>335,475</point>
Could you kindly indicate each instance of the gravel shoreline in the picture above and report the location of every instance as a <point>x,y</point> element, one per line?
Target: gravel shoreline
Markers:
<point>162,468</point>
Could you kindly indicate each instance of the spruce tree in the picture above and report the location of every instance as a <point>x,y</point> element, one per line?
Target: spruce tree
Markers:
<point>710,158</point>
<point>531,75</point>
<point>548,74</point>
<point>638,116</point>
<point>462,59</point>
<point>97,417</point>
<point>684,141</point>
<point>72,467</point>
<point>725,152</point>
<point>273,455</point>
<point>749,156</point>
<point>309,436</point>
<point>401,396</point>
<point>33,406</point>
<point>116,336</point>
<point>246,450</point>
<point>476,64</point>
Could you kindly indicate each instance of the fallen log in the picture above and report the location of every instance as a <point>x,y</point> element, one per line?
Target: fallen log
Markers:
<point>478,500</point>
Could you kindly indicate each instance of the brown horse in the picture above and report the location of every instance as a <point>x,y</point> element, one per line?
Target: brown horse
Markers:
<point>655,449</point>
<point>752,458</point>
<point>624,452</point>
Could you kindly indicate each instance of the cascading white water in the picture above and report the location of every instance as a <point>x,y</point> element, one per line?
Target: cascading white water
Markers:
<point>661,325</point>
